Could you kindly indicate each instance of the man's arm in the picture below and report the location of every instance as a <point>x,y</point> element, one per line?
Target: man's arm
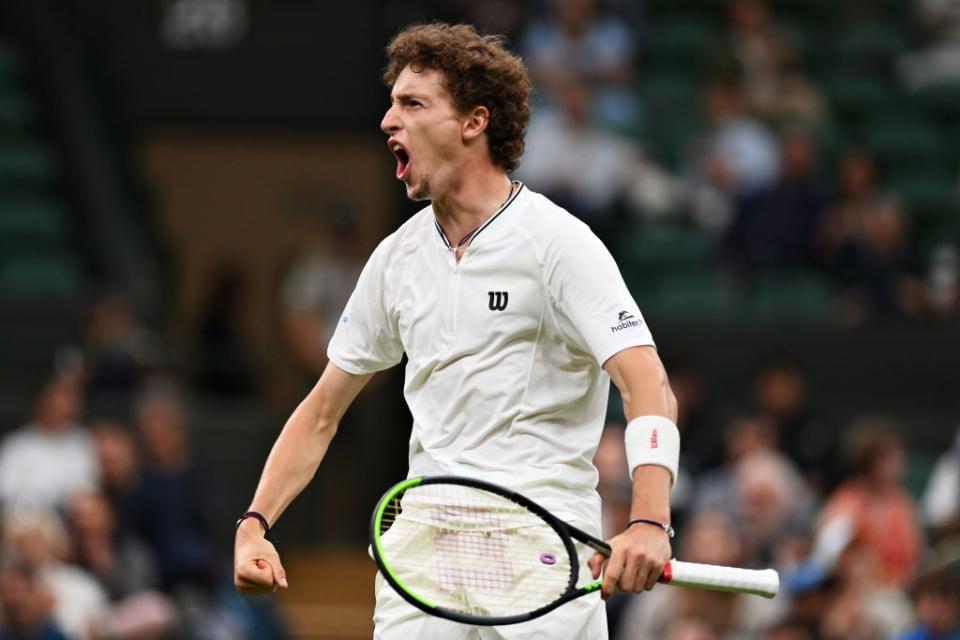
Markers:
<point>640,552</point>
<point>292,463</point>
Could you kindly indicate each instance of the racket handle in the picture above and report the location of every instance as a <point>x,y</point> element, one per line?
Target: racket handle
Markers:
<point>765,582</point>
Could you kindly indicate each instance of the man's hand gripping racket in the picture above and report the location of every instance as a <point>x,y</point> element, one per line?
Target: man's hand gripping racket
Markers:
<point>474,552</point>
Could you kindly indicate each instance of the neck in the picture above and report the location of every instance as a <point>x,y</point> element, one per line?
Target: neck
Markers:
<point>471,200</point>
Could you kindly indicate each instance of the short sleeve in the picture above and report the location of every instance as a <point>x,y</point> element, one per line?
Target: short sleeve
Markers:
<point>367,338</point>
<point>594,306</point>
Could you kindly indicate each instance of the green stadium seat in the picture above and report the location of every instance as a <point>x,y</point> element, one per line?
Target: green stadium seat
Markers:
<point>683,39</point>
<point>26,160</point>
<point>34,274</point>
<point>671,98</point>
<point>659,8</point>
<point>873,40</point>
<point>940,100</point>
<point>31,220</point>
<point>695,297</point>
<point>903,139</point>
<point>664,247</point>
<point>800,295</point>
<point>10,62</point>
<point>803,38</point>
<point>928,196</point>
<point>669,141</point>
<point>852,92</point>
<point>665,87</point>
<point>919,467</point>
<point>17,111</point>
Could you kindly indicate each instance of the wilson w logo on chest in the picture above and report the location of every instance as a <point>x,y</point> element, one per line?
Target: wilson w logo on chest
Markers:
<point>498,300</point>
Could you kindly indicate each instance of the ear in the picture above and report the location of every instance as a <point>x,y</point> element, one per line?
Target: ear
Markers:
<point>475,123</point>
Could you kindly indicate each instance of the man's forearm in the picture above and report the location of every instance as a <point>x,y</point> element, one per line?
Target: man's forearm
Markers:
<point>645,390</point>
<point>651,493</point>
<point>304,441</point>
<point>292,462</point>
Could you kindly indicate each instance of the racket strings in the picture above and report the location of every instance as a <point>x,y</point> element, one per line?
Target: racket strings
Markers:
<point>472,551</point>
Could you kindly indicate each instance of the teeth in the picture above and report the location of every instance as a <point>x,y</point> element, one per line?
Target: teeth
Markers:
<point>396,147</point>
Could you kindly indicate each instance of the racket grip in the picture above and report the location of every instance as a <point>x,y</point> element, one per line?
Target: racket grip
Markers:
<point>765,582</point>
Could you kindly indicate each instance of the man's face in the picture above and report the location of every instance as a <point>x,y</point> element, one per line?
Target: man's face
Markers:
<point>425,133</point>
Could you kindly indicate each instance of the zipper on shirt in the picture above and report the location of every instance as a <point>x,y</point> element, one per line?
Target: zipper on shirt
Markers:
<point>453,296</point>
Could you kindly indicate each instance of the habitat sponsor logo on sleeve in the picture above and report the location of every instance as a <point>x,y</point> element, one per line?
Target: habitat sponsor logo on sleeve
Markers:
<point>625,320</point>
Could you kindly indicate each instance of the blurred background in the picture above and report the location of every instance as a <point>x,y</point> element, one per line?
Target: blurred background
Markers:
<point>188,189</point>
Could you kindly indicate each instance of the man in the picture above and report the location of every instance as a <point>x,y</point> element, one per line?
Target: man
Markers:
<point>507,308</point>
<point>50,457</point>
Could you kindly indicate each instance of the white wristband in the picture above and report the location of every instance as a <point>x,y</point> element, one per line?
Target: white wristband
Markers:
<point>653,440</point>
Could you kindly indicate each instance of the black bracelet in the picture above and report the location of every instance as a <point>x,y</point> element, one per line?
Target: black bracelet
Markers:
<point>656,523</point>
<point>259,517</point>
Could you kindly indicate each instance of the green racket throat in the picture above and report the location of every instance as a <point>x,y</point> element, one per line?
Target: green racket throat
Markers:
<point>375,528</point>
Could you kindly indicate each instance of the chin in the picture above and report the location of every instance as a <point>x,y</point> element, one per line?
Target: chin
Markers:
<point>419,191</point>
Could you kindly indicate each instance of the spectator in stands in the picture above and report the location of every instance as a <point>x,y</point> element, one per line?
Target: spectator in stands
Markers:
<point>122,564</point>
<point>938,62</point>
<point>738,155</point>
<point>758,47</point>
<point>874,505</point>
<point>943,281</point>
<point>863,241</point>
<point>774,226</point>
<point>781,395</point>
<point>937,604</point>
<point>44,461</point>
<point>579,44</point>
<point>579,164</point>
<point>121,475</point>
<point>689,629</point>
<point>761,489</point>
<point>789,629</point>
<point>941,498</point>
<point>174,493</point>
<point>125,569</point>
<point>796,100</point>
<point>735,157</point>
<point>119,351</point>
<point>40,539</point>
<point>315,289</point>
<point>25,603</point>
<point>773,81</point>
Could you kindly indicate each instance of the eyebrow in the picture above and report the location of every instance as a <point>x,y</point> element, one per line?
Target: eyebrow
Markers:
<point>406,98</point>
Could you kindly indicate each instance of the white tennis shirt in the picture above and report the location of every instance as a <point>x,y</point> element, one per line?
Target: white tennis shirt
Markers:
<point>504,349</point>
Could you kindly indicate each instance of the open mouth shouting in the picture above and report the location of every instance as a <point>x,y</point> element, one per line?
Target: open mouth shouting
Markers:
<point>403,159</point>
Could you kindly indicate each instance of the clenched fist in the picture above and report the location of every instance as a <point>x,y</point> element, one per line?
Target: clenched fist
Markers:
<point>256,564</point>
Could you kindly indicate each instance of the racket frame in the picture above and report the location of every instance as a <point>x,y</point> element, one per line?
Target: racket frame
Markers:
<point>565,531</point>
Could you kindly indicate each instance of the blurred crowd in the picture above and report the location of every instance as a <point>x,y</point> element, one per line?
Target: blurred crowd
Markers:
<point>733,137</point>
<point>104,512</point>
<point>105,508</point>
<point>778,485</point>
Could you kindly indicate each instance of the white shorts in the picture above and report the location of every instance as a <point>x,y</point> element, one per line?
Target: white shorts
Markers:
<point>395,619</point>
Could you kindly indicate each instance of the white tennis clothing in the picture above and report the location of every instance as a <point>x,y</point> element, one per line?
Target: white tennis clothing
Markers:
<point>504,374</point>
<point>504,349</point>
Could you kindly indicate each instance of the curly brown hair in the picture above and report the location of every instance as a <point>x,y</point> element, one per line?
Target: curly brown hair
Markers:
<point>477,71</point>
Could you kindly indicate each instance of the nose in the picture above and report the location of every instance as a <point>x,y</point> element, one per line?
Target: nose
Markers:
<point>390,123</point>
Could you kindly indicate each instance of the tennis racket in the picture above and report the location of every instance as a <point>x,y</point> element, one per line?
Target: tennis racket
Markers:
<point>477,553</point>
